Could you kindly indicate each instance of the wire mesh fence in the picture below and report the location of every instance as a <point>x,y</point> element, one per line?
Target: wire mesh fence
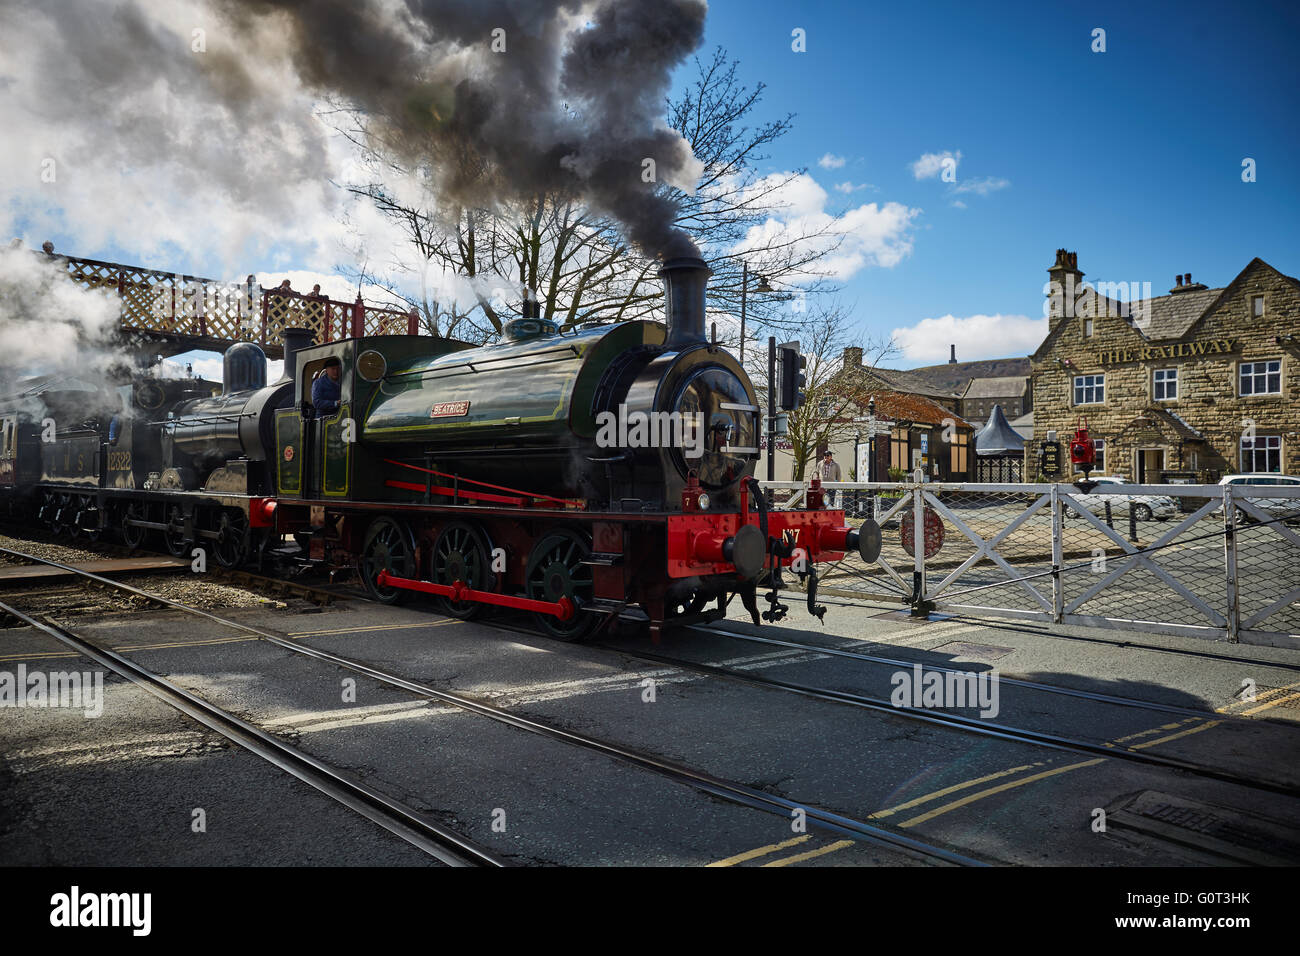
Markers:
<point>1216,561</point>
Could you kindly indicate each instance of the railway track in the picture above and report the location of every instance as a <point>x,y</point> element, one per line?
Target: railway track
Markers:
<point>977,726</point>
<point>122,561</point>
<point>1003,678</point>
<point>728,790</point>
<point>1007,624</point>
<point>398,818</point>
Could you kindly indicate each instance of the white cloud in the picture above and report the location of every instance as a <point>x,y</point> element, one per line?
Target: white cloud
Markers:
<point>983,186</point>
<point>831,161</point>
<point>957,203</point>
<point>976,337</point>
<point>847,187</point>
<point>208,365</point>
<point>870,235</point>
<point>931,164</point>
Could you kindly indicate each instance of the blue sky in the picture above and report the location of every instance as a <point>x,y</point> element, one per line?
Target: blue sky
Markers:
<point>1131,157</point>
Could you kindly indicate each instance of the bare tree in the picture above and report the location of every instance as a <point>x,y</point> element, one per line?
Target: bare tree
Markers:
<point>575,261</point>
<point>831,400</point>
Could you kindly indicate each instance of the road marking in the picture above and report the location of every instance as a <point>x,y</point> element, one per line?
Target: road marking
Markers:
<point>38,656</point>
<point>800,857</point>
<point>937,811</point>
<point>1152,730</point>
<point>953,789</point>
<point>761,851</point>
<point>376,627</point>
<point>1271,703</point>
<point>1262,696</point>
<point>1181,733</point>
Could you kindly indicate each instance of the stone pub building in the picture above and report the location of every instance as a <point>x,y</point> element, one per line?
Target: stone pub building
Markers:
<point>1194,384</point>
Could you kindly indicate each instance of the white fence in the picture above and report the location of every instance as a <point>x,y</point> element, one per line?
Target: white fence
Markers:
<point>1213,561</point>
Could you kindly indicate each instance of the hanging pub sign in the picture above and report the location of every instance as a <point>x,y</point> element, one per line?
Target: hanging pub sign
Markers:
<point>1049,458</point>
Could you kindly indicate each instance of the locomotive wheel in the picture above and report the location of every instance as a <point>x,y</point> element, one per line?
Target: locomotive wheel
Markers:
<point>389,547</point>
<point>59,515</point>
<point>132,536</point>
<point>462,553</point>
<point>231,545</point>
<point>97,532</point>
<point>73,510</point>
<point>178,544</point>
<point>555,570</point>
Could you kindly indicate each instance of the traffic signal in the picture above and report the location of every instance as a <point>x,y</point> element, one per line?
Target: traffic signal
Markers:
<point>792,378</point>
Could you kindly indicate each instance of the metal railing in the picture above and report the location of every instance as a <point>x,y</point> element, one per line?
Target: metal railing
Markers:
<point>170,304</point>
<point>1215,561</point>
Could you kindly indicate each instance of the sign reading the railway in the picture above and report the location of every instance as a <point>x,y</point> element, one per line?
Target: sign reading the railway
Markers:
<point>449,410</point>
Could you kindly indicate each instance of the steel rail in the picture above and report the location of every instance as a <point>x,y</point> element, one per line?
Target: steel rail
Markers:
<point>408,824</point>
<point>715,786</point>
<point>972,725</point>
<point>1002,678</point>
<point>1002,624</point>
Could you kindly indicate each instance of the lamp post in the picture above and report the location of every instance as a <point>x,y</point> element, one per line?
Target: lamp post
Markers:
<point>744,299</point>
<point>871,438</point>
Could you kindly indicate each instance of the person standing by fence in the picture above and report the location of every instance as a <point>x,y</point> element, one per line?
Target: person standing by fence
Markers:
<point>829,470</point>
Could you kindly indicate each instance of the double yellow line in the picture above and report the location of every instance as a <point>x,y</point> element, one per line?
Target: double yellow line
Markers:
<point>1168,732</point>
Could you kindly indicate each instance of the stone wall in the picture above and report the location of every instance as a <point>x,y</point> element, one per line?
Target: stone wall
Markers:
<point>1207,358</point>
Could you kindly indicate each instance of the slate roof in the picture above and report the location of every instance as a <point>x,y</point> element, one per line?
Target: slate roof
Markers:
<point>998,437</point>
<point>907,382</point>
<point>1010,386</point>
<point>1024,425</point>
<point>1170,316</point>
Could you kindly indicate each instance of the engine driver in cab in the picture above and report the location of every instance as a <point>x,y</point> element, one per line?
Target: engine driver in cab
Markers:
<point>326,391</point>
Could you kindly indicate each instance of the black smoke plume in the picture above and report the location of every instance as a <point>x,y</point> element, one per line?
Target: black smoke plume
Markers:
<point>501,100</point>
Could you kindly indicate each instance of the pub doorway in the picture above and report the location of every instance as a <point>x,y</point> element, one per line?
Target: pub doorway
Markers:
<point>1150,463</point>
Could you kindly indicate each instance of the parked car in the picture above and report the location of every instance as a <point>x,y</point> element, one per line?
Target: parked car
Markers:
<point>1286,508</point>
<point>1145,507</point>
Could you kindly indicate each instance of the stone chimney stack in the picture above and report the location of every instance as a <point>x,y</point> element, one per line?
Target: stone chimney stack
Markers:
<point>1063,286</point>
<point>1183,283</point>
<point>852,357</point>
<point>952,355</point>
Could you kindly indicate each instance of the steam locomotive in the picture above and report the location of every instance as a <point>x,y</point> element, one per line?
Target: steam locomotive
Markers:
<point>579,475</point>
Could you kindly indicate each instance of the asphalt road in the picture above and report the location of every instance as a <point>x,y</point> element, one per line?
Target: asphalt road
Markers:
<point>123,787</point>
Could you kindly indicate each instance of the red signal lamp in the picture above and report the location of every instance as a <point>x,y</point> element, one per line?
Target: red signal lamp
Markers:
<point>1083,450</point>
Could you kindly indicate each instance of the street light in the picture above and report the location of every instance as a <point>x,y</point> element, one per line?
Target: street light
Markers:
<point>871,436</point>
<point>744,296</point>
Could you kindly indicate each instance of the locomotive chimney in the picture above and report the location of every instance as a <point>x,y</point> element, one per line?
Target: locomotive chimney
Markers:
<point>295,340</point>
<point>685,281</point>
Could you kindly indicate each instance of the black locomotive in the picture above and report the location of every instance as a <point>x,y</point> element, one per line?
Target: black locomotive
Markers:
<point>581,475</point>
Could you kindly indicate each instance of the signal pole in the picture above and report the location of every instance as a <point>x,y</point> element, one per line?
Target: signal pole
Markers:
<point>771,408</point>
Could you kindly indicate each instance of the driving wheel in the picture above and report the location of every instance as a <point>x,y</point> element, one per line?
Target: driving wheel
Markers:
<point>389,547</point>
<point>462,553</point>
<point>555,570</point>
